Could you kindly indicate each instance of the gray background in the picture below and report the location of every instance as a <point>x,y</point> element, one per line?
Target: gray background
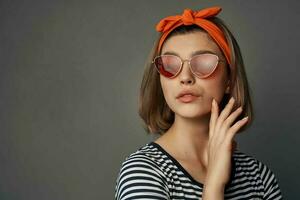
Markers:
<point>70,74</point>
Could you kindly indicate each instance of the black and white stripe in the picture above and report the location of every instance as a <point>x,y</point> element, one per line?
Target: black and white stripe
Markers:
<point>151,173</point>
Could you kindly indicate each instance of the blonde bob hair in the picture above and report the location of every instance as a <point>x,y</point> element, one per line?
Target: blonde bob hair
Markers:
<point>158,117</point>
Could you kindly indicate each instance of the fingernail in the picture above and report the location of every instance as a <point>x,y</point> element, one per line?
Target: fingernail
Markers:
<point>245,118</point>
<point>231,100</point>
<point>214,102</point>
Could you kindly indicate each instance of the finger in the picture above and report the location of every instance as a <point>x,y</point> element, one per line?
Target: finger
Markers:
<point>225,112</point>
<point>234,129</point>
<point>232,117</point>
<point>213,117</point>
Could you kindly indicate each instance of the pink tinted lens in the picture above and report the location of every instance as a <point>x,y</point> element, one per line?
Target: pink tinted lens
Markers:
<point>204,65</point>
<point>168,65</point>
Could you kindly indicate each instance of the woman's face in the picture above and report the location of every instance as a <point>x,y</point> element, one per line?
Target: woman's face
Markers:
<point>185,46</point>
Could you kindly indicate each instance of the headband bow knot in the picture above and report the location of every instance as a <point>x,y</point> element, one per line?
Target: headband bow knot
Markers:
<point>189,17</point>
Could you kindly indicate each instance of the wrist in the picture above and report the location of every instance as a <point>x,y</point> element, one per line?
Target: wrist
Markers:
<point>214,188</point>
<point>213,191</point>
<point>214,185</point>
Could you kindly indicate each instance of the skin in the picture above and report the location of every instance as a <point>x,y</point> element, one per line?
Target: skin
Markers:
<point>201,138</point>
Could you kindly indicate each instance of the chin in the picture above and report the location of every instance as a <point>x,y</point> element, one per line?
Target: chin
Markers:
<point>191,112</point>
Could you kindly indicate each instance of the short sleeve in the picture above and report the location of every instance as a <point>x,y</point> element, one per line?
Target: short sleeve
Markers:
<point>140,178</point>
<point>271,186</point>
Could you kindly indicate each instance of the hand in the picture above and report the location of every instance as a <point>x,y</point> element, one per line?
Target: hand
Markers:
<point>221,143</point>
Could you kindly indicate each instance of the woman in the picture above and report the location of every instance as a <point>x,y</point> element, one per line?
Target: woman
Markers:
<point>195,95</point>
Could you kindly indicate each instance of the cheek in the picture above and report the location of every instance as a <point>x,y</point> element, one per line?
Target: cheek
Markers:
<point>216,89</point>
<point>167,90</point>
<point>217,84</point>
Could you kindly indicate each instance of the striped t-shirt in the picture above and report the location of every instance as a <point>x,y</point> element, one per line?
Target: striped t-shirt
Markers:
<point>152,173</point>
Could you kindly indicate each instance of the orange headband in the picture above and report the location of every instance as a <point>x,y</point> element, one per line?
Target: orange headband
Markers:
<point>189,17</point>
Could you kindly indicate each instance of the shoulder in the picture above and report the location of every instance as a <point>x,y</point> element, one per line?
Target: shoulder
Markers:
<point>249,163</point>
<point>145,158</point>
<point>249,166</point>
<point>140,173</point>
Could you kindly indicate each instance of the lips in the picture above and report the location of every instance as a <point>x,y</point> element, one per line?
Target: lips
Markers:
<point>186,93</point>
<point>187,96</point>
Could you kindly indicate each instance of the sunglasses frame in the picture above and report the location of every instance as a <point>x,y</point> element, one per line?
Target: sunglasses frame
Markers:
<point>189,62</point>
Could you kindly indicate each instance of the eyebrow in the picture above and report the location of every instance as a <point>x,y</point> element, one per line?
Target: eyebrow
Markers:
<point>192,54</point>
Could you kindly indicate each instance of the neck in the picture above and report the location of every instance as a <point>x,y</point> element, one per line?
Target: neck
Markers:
<point>189,137</point>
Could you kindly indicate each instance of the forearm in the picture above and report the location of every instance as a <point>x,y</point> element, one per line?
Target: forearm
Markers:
<point>212,192</point>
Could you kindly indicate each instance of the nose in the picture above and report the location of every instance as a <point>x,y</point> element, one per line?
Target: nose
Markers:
<point>186,76</point>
